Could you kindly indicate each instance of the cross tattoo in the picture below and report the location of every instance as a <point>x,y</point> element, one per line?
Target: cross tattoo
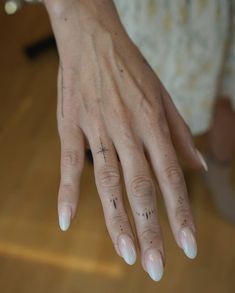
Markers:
<point>102,150</point>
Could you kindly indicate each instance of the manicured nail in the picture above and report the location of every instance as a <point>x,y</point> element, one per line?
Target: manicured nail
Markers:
<point>154,264</point>
<point>64,218</point>
<point>127,249</point>
<point>188,242</point>
<point>202,160</point>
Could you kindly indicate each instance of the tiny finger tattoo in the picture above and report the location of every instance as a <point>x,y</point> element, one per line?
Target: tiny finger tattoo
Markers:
<point>145,214</point>
<point>114,200</point>
<point>184,223</point>
<point>103,150</point>
<point>62,91</point>
<point>180,200</point>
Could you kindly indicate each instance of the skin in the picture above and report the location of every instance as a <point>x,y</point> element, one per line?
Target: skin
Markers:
<point>111,101</point>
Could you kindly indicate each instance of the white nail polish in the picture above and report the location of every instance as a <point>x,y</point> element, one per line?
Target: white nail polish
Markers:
<point>188,243</point>
<point>64,218</point>
<point>127,249</point>
<point>202,160</point>
<point>154,264</point>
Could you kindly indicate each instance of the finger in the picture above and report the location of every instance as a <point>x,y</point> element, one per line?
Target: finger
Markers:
<point>108,182</point>
<point>141,194</point>
<point>157,139</point>
<point>72,163</point>
<point>181,135</point>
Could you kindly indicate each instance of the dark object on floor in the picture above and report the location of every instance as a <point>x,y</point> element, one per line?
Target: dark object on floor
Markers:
<point>34,50</point>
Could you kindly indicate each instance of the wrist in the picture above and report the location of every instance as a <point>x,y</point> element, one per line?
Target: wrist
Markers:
<point>56,7</point>
<point>102,9</point>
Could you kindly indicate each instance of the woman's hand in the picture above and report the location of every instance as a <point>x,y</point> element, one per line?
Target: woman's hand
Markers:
<point>109,98</point>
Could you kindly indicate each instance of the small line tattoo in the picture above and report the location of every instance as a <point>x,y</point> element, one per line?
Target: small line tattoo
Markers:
<point>114,200</point>
<point>62,90</point>
<point>103,150</point>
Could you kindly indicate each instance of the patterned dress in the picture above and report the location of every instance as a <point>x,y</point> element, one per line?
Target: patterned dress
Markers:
<point>191,46</point>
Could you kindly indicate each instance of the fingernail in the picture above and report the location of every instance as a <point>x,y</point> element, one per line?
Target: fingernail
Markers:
<point>202,160</point>
<point>64,218</point>
<point>154,264</point>
<point>188,242</point>
<point>127,249</point>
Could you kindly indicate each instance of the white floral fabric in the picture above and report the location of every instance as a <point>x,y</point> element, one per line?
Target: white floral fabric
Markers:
<point>191,46</point>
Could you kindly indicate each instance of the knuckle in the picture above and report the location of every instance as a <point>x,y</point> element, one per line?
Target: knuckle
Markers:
<point>109,177</point>
<point>142,186</point>
<point>66,188</point>
<point>150,234</point>
<point>173,174</point>
<point>182,212</point>
<point>117,220</point>
<point>70,158</point>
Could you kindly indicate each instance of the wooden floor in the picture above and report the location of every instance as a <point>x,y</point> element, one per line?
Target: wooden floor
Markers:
<point>34,255</point>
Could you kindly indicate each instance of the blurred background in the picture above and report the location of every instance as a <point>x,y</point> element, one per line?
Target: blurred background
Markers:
<point>35,256</point>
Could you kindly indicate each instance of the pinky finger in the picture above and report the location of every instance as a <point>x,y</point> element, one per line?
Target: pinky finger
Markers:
<point>181,135</point>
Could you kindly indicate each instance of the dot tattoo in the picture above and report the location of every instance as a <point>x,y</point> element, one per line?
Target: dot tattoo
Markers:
<point>103,150</point>
<point>184,223</point>
<point>180,200</point>
<point>145,214</point>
